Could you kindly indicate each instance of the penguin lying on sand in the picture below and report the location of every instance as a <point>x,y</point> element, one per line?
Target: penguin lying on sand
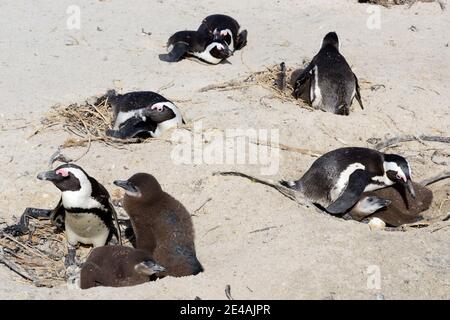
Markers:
<point>214,41</point>
<point>393,205</point>
<point>118,266</point>
<point>141,113</point>
<point>161,224</point>
<point>84,210</point>
<point>224,28</point>
<point>338,178</point>
<point>328,83</point>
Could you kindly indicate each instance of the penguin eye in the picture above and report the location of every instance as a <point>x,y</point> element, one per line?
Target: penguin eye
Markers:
<point>370,199</point>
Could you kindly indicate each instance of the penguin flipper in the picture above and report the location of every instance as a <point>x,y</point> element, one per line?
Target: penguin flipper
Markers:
<point>242,40</point>
<point>179,49</point>
<point>357,182</point>
<point>304,76</point>
<point>131,128</point>
<point>358,93</point>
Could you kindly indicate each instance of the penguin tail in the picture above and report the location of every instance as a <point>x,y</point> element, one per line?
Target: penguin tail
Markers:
<point>288,184</point>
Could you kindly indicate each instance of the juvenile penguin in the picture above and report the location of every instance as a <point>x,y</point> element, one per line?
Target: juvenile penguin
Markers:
<point>197,44</point>
<point>395,207</point>
<point>161,224</point>
<point>84,208</point>
<point>141,113</point>
<point>118,266</point>
<point>338,178</point>
<point>224,28</point>
<point>328,83</point>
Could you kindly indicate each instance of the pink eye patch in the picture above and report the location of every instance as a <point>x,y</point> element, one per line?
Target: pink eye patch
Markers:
<point>62,172</point>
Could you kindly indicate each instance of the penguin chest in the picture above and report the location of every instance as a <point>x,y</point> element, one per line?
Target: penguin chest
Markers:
<point>86,228</point>
<point>122,117</point>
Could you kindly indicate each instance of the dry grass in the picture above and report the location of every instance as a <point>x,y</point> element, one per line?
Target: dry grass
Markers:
<point>39,256</point>
<point>388,3</point>
<point>267,79</point>
<point>88,122</point>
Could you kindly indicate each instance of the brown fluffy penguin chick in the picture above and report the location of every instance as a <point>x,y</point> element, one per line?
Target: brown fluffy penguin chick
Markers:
<point>399,207</point>
<point>161,224</point>
<point>118,266</point>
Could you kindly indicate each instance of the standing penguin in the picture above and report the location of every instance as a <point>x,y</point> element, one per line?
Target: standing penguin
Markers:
<point>224,28</point>
<point>328,83</point>
<point>338,178</point>
<point>118,266</point>
<point>140,113</point>
<point>84,208</point>
<point>201,45</point>
<point>161,224</point>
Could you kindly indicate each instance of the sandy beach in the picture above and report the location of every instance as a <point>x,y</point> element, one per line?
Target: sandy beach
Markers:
<point>248,235</point>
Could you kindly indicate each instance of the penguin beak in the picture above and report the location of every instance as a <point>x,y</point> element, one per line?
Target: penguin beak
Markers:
<point>50,176</point>
<point>410,188</point>
<point>129,187</point>
<point>228,52</point>
<point>149,267</point>
<point>384,202</point>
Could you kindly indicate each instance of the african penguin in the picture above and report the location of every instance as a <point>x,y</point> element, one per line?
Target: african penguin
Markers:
<point>141,113</point>
<point>197,44</point>
<point>328,83</point>
<point>87,214</point>
<point>395,207</point>
<point>224,28</point>
<point>118,266</point>
<point>161,224</point>
<point>338,178</point>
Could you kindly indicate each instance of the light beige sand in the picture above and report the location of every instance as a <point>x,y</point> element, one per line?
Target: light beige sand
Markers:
<point>305,254</point>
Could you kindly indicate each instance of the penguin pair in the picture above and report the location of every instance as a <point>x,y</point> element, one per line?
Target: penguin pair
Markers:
<point>337,180</point>
<point>214,41</point>
<point>392,205</point>
<point>142,114</point>
<point>164,240</point>
<point>328,83</point>
<point>84,210</point>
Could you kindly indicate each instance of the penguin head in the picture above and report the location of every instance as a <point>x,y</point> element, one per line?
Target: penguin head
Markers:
<point>68,177</point>
<point>370,204</point>
<point>398,170</point>
<point>140,187</point>
<point>222,36</point>
<point>148,267</point>
<point>331,39</point>
<point>220,50</point>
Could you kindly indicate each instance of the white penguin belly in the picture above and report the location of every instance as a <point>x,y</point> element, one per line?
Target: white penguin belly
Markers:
<point>124,116</point>
<point>206,55</point>
<point>316,93</point>
<point>86,228</point>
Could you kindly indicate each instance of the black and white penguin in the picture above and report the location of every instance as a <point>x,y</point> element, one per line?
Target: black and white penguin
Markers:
<point>328,83</point>
<point>118,266</point>
<point>85,209</point>
<point>224,28</point>
<point>337,179</point>
<point>197,44</point>
<point>141,113</point>
<point>161,224</point>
